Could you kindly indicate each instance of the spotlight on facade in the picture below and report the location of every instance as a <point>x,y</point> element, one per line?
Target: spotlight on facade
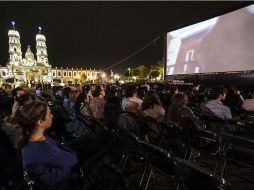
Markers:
<point>13,24</point>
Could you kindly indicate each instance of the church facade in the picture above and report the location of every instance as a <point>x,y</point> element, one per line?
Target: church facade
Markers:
<point>29,70</point>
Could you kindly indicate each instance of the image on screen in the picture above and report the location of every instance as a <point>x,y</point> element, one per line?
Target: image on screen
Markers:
<point>221,44</point>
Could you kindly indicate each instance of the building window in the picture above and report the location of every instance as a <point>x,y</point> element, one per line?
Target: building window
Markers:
<point>64,74</point>
<point>54,74</point>
<point>4,73</point>
<point>189,55</point>
<point>69,74</point>
<point>59,73</point>
<point>74,74</point>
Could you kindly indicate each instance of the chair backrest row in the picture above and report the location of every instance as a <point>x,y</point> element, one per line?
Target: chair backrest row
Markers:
<point>190,176</point>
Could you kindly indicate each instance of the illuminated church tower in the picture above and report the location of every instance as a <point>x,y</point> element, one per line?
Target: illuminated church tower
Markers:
<point>41,49</point>
<point>14,45</point>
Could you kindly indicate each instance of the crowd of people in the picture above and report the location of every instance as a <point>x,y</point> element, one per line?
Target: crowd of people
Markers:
<point>54,134</point>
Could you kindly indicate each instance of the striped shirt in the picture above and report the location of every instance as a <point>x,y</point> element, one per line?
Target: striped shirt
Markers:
<point>218,109</point>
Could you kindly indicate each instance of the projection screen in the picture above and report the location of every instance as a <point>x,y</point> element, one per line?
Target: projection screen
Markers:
<point>221,44</point>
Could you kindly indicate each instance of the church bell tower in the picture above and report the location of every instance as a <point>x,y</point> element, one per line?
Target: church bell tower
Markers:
<point>14,45</point>
<point>41,49</point>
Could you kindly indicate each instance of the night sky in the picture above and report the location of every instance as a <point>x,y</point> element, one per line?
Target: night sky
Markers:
<point>99,34</point>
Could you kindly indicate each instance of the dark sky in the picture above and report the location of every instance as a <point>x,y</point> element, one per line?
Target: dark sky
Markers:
<point>99,34</point>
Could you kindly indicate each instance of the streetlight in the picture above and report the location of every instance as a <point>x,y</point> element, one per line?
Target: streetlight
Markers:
<point>129,69</point>
<point>103,75</point>
<point>116,76</point>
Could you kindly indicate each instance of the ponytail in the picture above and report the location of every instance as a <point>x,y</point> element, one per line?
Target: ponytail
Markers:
<point>23,120</point>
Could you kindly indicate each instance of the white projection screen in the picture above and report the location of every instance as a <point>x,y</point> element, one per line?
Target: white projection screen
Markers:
<point>221,44</point>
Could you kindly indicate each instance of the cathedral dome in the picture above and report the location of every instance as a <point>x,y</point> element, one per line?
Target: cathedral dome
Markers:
<point>29,54</point>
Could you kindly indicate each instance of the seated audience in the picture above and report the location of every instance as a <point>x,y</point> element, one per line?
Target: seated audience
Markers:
<point>16,93</point>
<point>69,94</point>
<point>131,95</point>
<point>233,101</point>
<point>152,107</point>
<point>182,116</point>
<point>248,104</point>
<point>214,107</point>
<point>129,120</point>
<point>112,110</point>
<point>46,161</point>
<point>81,105</point>
<point>97,103</point>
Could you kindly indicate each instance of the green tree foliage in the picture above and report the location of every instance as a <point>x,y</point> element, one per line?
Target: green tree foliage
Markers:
<point>136,72</point>
<point>83,77</point>
<point>127,72</point>
<point>154,73</point>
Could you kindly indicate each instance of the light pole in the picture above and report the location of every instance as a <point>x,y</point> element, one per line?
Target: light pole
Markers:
<point>129,69</point>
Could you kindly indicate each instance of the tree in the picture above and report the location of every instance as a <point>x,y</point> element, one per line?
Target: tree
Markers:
<point>127,73</point>
<point>83,77</point>
<point>160,67</point>
<point>154,73</point>
<point>136,72</point>
<point>143,72</point>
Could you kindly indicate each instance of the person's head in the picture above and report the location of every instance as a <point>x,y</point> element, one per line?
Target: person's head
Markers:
<point>57,90</point>
<point>174,90</point>
<point>130,91</point>
<point>150,100</point>
<point>82,98</point>
<point>218,93</point>
<point>38,87</point>
<point>131,106</point>
<point>17,92</point>
<point>112,106</point>
<point>112,109</point>
<point>25,99</point>
<point>67,91</point>
<point>32,118</point>
<point>252,94</point>
<point>179,99</point>
<point>141,92</point>
<point>98,91</point>
<point>161,88</point>
<point>73,92</point>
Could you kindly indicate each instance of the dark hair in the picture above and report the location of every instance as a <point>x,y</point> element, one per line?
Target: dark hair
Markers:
<point>67,91</point>
<point>25,118</point>
<point>15,90</point>
<point>179,99</point>
<point>216,91</point>
<point>24,98</point>
<point>112,109</point>
<point>142,91</point>
<point>56,88</point>
<point>150,100</point>
<point>79,100</point>
<point>130,91</point>
<point>96,91</point>
<point>38,86</point>
<point>173,89</point>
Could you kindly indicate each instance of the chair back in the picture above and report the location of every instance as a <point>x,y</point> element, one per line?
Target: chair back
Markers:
<point>206,134</point>
<point>192,177</point>
<point>159,158</point>
<point>29,182</point>
<point>124,141</point>
<point>239,141</point>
